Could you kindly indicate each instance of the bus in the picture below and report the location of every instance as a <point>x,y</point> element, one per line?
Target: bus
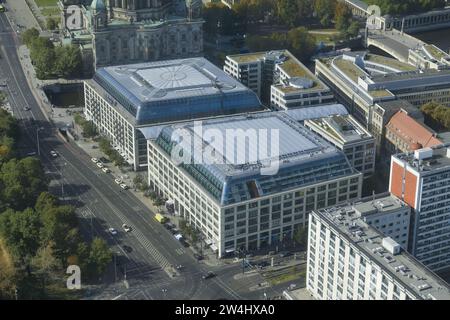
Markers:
<point>2,8</point>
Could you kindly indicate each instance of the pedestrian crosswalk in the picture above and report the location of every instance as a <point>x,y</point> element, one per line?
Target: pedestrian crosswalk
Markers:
<point>180,251</point>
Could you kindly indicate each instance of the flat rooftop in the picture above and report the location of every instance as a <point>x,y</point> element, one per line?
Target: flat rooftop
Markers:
<point>234,171</point>
<point>339,128</point>
<point>403,267</point>
<point>288,63</point>
<point>384,204</point>
<point>439,160</point>
<point>295,142</point>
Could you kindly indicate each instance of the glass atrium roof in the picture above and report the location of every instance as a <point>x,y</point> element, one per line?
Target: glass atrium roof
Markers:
<point>174,90</point>
<point>303,157</point>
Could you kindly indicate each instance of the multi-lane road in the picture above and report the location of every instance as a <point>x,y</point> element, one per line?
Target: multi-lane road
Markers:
<point>102,204</point>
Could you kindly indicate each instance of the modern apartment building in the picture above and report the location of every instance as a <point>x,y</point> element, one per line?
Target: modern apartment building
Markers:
<point>279,79</point>
<point>237,204</point>
<point>123,101</point>
<point>422,179</point>
<point>348,135</point>
<point>388,214</point>
<point>350,260</point>
<point>361,80</point>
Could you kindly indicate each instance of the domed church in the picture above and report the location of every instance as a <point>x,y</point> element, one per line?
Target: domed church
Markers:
<point>112,32</point>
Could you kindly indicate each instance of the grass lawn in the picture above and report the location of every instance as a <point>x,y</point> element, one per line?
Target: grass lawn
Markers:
<point>46,3</point>
<point>50,12</point>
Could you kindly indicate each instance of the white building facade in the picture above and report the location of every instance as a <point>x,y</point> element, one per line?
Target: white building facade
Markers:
<point>349,260</point>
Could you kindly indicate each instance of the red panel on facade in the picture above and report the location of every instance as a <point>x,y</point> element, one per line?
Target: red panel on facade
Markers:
<point>396,180</point>
<point>410,189</point>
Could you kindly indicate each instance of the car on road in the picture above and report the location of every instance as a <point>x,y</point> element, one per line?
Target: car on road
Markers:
<point>53,154</point>
<point>124,186</point>
<point>184,243</point>
<point>128,249</point>
<point>179,236</point>
<point>284,254</point>
<point>208,275</point>
<point>198,256</point>
<point>106,170</point>
<point>95,160</point>
<point>26,108</point>
<point>118,181</point>
<point>112,231</point>
<point>126,227</point>
<point>100,165</point>
<point>175,231</point>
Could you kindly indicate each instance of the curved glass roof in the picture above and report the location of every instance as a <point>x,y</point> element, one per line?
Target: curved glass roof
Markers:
<point>175,90</point>
<point>303,157</point>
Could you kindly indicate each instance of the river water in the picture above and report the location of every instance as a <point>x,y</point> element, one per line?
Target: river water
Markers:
<point>440,38</point>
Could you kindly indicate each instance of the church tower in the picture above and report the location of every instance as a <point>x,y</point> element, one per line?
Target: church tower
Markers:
<point>99,16</point>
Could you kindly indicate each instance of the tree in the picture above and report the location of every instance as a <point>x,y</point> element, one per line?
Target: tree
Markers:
<point>20,230</point>
<point>68,61</point>
<point>287,12</point>
<point>302,43</point>
<point>343,16</point>
<point>45,262</point>
<point>324,10</point>
<point>29,36</point>
<point>353,29</point>
<point>21,182</point>
<point>51,24</point>
<point>99,256</point>
<point>301,236</point>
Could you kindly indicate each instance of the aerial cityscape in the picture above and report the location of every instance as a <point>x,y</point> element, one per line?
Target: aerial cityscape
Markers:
<point>224,150</point>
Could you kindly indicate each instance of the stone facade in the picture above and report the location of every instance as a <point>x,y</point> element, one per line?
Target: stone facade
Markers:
<point>133,31</point>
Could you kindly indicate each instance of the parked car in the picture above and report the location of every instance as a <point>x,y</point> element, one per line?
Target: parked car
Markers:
<point>126,227</point>
<point>284,254</point>
<point>128,249</point>
<point>106,170</point>
<point>118,181</point>
<point>112,231</point>
<point>208,275</point>
<point>123,186</point>
<point>95,160</point>
<point>53,154</point>
<point>100,165</point>
<point>184,243</point>
<point>198,256</point>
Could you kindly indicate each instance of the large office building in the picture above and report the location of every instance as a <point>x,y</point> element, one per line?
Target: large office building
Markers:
<point>239,203</point>
<point>361,80</point>
<point>129,31</point>
<point>422,179</point>
<point>122,101</point>
<point>348,135</point>
<point>279,79</point>
<point>350,260</point>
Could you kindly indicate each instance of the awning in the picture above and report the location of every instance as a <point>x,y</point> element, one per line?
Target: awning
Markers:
<point>214,248</point>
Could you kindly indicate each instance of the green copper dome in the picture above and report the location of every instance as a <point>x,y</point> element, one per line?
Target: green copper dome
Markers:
<point>98,5</point>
